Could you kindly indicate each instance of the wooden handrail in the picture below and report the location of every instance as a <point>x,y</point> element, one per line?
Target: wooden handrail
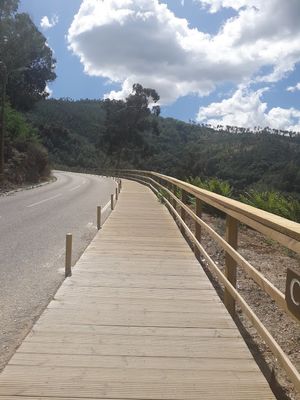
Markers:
<point>280,229</point>
<point>260,220</point>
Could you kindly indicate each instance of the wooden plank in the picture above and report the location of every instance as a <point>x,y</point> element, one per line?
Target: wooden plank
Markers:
<point>159,319</point>
<point>129,305</point>
<point>133,383</point>
<point>61,329</point>
<point>16,374</point>
<point>136,293</point>
<point>139,348</point>
<point>128,362</point>
<point>149,281</point>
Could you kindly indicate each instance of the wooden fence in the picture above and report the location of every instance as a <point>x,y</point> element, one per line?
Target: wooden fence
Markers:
<point>175,194</point>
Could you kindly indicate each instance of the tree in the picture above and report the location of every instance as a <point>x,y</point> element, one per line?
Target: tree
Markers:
<point>26,64</point>
<point>8,7</point>
<point>127,121</point>
<point>26,55</point>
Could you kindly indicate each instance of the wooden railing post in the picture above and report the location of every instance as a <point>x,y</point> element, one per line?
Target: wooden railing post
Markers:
<point>68,260</point>
<point>198,226</point>
<point>184,198</point>
<point>230,263</point>
<point>173,201</point>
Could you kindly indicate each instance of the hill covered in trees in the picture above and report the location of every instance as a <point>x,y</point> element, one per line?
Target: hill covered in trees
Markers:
<point>88,135</point>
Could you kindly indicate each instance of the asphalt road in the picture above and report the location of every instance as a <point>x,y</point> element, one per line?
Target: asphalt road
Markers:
<point>33,225</point>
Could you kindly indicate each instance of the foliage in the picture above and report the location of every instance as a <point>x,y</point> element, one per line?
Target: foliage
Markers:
<point>273,202</point>
<point>68,149</point>
<point>26,65</point>
<point>161,195</point>
<point>17,126</point>
<point>25,55</point>
<point>126,121</point>
<point>26,160</point>
<point>8,8</point>
<point>213,185</point>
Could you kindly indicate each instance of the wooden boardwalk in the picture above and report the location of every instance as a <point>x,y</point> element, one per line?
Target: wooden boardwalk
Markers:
<point>137,320</point>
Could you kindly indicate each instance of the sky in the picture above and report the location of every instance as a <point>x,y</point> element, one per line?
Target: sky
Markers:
<point>218,62</point>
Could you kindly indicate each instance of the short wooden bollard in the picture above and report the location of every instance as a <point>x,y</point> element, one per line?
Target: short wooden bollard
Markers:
<point>68,262</point>
<point>98,217</point>
<point>112,201</point>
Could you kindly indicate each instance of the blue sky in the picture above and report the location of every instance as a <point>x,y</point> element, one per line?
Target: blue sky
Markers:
<point>230,62</point>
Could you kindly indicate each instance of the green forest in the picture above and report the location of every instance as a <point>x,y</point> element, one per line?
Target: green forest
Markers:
<point>260,167</point>
<point>77,135</point>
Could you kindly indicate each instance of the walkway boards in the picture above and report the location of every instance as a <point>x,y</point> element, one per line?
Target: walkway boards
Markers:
<point>138,320</point>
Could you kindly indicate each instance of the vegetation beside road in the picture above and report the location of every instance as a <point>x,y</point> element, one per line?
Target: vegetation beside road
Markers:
<point>26,65</point>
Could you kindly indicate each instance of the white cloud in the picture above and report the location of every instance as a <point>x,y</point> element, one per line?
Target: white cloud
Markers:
<point>246,109</point>
<point>216,5</point>
<point>47,23</point>
<point>49,91</point>
<point>129,41</point>
<point>293,88</point>
<point>141,41</point>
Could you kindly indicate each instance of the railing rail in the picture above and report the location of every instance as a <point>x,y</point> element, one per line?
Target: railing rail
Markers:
<point>277,228</point>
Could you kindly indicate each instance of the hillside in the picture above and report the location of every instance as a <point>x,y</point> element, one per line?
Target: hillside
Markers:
<point>74,134</point>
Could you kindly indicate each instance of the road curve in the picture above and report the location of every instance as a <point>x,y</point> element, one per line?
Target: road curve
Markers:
<point>33,225</point>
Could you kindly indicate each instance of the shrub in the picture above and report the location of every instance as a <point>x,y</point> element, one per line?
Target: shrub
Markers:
<point>273,202</point>
<point>213,185</point>
<point>26,160</point>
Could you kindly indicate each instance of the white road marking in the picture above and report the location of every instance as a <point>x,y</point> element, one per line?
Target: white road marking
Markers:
<point>77,187</point>
<point>44,201</point>
<point>74,188</point>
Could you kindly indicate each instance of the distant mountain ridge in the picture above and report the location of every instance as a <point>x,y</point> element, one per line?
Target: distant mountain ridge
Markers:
<point>73,133</point>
